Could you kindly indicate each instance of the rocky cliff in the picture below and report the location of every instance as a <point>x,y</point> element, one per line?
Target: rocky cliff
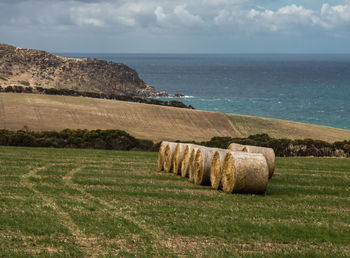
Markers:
<point>28,67</point>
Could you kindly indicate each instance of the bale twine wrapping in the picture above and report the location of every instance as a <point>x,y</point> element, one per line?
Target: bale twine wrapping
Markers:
<point>186,159</point>
<point>245,173</point>
<point>268,153</point>
<point>161,155</point>
<point>202,165</point>
<point>191,163</point>
<point>216,168</point>
<point>169,155</point>
<point>178,156</point>
<point>235,147</point>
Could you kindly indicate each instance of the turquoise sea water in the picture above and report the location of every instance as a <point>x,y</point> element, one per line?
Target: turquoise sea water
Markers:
<point>305,88</point>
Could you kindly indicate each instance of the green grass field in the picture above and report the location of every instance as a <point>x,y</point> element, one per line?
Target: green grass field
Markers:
<point>67,202</point>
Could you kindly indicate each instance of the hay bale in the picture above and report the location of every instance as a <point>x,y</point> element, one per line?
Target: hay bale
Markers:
<point>178,156</point>
<point>202,165</point>
<point>161,155</point>
<point>186,159</point>
<point>245,173</point>
<point>235,147</point>
<point>169,155</point>
<point>268,153</point>
<point>216,168</point>
<point>191,164</point>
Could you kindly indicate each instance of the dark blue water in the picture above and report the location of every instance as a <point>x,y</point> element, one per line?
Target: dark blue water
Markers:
<point>305,88</point>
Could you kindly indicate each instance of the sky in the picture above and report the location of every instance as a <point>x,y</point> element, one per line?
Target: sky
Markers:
<point>177,26</point>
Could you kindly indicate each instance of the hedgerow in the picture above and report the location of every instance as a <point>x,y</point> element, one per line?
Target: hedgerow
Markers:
<point>94,139</point>
<point>287,147</point>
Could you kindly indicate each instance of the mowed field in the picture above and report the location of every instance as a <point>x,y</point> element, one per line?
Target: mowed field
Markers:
<point>45,112</point>
<point>250,125</point>
<point>89,202</point>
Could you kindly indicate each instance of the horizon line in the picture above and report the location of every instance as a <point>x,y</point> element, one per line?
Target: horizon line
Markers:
<point>201,53</point>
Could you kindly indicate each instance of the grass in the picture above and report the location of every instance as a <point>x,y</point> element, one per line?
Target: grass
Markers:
<point>69,202</point>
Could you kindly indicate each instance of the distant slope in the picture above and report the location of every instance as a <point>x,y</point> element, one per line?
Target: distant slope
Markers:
<point>45,112</point>
<point>250,125</point>
<point>29,67</point>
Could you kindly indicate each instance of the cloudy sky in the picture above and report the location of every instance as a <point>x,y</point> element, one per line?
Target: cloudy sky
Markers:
<point>177,26</point>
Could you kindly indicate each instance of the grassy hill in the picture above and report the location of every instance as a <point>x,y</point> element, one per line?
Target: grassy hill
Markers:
<point>46,112</point>
<point>250,125</point>
<point>87,203</point>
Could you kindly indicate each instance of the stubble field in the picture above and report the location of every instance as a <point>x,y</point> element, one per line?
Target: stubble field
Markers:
<point>157,123</point>
<point>59,202</point>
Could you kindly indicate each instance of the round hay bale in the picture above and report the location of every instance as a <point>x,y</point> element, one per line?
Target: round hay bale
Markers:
<point>161,155</point>
<point>245,173</point>
<point>169,155</point>
<point>268,153</point>
<point>216,168</point>
<point>178,156</point>
<point>202,165</point>
<point>191,163</point>
<point>186,159</point>
<point>235,147</point>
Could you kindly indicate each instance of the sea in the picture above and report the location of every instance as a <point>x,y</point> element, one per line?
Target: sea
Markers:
<point>308,88</point>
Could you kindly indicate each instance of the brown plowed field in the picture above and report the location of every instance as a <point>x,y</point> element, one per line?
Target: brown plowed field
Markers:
<point>46,112</point>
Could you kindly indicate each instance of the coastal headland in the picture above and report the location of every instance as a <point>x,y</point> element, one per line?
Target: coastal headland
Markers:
<point>28,69</point>
<point>36,68</point>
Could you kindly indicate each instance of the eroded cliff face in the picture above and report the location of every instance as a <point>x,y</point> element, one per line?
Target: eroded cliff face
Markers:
<point>28,67</point>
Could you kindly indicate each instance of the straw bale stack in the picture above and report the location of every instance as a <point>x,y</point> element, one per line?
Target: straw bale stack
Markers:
<point>185,164</point>
<point>161,155</point>
<point>202,165</point>
<point>191,163</point>
<point>216,168</point>
<point>178,157</point>
<point>235,147</point>
<point>268,153</point>
<point>245,173</point>
<point>169,155</point>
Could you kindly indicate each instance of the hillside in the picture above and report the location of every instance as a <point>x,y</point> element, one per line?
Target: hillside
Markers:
<point>28,67</point>
<point>250,125</point>
<point>46,112</point>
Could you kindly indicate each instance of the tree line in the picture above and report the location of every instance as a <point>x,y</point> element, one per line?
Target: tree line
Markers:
<point>67,138</point>
<point>69,92</point>
<point>287,147</point>
<point>120,140</point>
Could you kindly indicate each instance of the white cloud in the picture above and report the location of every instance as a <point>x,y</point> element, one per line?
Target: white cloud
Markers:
<point>159,12</point>
<point>186,18</point>
<point>87,15</point>
<point>335,16</point>
<point>175,15</point>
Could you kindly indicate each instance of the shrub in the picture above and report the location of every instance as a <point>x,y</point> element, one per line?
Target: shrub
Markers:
<point>286,147</point>
<point>25,83</point>
<point>95,139</point>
